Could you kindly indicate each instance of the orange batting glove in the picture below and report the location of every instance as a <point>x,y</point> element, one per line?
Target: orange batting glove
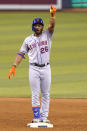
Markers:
<point>12,71</point>
<point>52,10</point>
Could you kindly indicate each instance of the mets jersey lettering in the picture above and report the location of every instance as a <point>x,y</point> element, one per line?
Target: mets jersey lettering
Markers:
<point>38,48</point>
<point>34,45</point>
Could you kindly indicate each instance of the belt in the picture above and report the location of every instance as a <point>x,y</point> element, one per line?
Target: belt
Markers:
<point>42,65</point>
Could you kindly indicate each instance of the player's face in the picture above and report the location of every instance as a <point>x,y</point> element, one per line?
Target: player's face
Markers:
<point>39,29</point>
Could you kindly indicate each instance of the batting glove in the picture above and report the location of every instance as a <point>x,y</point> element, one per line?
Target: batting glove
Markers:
<point>52,10</point>
<point>12,71</point>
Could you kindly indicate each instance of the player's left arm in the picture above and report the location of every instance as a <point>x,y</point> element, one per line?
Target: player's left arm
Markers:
<point>52,20</point>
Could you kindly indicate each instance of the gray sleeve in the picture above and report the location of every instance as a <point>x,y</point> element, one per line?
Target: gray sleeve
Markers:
<point>49,34</point>
<point>24,48</point>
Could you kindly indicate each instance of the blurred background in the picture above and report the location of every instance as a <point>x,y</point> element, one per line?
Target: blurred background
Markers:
<point>69,46</point>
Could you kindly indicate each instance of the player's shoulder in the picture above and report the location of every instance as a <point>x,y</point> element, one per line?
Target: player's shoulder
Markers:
<point>29,38</point>
<point>46,32</point>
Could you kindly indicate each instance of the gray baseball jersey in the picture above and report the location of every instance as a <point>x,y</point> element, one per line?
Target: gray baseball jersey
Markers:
<point>38,48</point>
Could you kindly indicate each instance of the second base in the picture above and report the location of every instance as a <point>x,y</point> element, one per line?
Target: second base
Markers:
<point>38,125</point>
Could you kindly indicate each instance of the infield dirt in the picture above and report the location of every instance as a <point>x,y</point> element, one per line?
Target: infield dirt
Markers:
<point>65,114</point>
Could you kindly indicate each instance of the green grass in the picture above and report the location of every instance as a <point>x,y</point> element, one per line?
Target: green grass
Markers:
<point>68,54</point>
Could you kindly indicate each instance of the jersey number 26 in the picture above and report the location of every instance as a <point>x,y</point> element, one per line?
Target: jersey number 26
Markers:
<point>43,50</point>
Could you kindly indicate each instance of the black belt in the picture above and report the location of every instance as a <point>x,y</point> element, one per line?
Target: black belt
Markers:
<point>42,65</point>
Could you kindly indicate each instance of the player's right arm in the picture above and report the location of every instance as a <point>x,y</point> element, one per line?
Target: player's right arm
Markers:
<point>17,61</point>
<point>19,57</point>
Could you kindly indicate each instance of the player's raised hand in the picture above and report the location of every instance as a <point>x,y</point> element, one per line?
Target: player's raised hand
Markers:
<point>12,71</point>
<point>52,10</point>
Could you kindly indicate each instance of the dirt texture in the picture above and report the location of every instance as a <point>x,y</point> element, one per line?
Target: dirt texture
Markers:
<point>64,114</point>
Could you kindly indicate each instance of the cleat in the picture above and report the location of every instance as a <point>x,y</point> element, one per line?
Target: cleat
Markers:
<point>35,120</point>
<point>45,120</point>
<point>40,120</point>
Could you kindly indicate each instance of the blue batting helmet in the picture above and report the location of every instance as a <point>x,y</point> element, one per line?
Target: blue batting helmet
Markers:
<point>37,21</point>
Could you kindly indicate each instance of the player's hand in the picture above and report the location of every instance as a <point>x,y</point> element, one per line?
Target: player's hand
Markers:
<point>12,71</point>
<point>52,10</point>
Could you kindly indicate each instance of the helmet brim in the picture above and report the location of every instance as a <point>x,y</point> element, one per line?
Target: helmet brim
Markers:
<point>38,23</point>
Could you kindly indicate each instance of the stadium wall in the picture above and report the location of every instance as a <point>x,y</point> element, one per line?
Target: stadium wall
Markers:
<point>66,3</point>
<point>74,3</point>
<point>29,4</point>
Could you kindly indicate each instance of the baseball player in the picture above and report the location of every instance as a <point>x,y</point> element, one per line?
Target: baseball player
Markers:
<point>38,46</point>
